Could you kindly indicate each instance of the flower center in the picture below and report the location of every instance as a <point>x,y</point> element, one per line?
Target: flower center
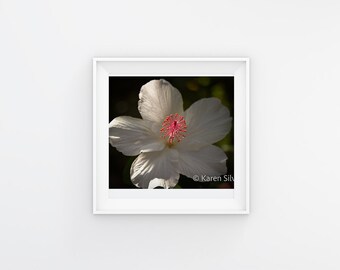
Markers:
<point>174,128</point>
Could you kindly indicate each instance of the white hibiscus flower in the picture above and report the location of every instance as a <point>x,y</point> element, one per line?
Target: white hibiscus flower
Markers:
<point>170,141</point>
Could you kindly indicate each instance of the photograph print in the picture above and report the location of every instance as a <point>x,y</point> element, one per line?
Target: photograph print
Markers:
<point>171,132</point>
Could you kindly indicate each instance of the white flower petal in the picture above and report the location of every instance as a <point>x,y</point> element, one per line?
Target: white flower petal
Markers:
<point>209,160</point>
<point>158,99</point>
<point>157,182</point>
<point>132,136</point>
<point>155,169</point>
<point>208,121</point>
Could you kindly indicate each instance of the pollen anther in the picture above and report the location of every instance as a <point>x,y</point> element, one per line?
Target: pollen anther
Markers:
<point>173,128</point>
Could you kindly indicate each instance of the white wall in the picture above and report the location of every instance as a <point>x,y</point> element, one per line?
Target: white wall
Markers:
<point>45,141</point>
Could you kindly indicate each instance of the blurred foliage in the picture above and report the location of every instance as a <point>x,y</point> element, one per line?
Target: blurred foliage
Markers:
<point>123,100</point>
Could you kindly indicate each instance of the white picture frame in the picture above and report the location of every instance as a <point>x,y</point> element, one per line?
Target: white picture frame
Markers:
<point>170,201</point>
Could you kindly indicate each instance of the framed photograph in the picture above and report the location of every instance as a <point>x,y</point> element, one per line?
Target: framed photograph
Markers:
<point>171,135</point>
